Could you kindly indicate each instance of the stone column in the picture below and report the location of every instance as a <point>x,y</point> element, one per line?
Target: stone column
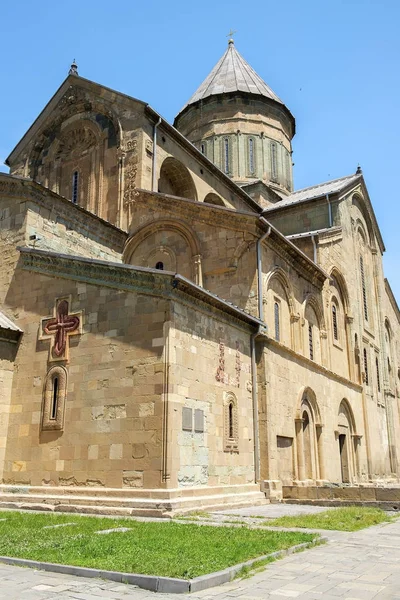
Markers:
<point>197,269</point>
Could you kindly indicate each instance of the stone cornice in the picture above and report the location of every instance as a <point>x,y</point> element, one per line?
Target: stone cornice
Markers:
<point>142,280</point>
<point>71,215</point>
<point>217,216</point>
<point>300,262</point>
<point>227,218</point>
<point>310,364</point>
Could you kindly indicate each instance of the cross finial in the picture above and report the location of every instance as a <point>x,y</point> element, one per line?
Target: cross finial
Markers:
<point>74,69</point>
<point>230,34</point>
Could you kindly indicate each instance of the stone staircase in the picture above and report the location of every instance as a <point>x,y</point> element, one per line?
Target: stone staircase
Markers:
<point>128,502</point>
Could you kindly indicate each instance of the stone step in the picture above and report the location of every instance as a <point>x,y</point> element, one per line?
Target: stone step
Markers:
<point>128,506</point>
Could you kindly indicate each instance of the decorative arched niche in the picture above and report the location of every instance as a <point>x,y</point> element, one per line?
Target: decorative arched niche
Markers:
<point>169,242</point>
<point>77,156</point>
<point>348,442</point>
<point>231,423</point>
<point>314,329</point>
<point>280,307</point>
<point>214,199</point>
<point>310,461</point>
<point>176,180</point>
<point>54,396</point>
<point>339,322</point>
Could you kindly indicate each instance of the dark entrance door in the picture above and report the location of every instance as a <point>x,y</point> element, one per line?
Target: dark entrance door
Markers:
<point>344,460</point>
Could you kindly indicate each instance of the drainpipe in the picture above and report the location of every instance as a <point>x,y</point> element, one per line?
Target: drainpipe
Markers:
<point>259,270</point>
<point>256,437</point>
<point>253,337</point>
<point>315,248</point>
<point>154,164</point>
<point>329,210</point>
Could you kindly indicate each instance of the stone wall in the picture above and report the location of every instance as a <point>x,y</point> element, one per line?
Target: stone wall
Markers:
<point>111,428</point>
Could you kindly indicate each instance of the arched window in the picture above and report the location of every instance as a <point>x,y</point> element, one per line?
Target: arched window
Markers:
<point>54,394</point>
<point>363,288</point>
<point>277,323</point>
<point>366,366</point>
<point>310,341</point>
<point>226,155</point>
<point>378,378</point>
<point>75,187</point>
<point>274,161</point>
<point>231,427</point>
<point>160,266</point>
<point>251,155</point>
<point>230,419</point>
<point>335,322</point>
<point>54,399</point>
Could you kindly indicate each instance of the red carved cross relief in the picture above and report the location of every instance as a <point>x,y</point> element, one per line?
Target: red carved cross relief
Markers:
<point>60,327</point>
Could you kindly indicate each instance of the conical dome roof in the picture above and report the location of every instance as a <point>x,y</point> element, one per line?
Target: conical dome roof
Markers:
<point>232,74</point>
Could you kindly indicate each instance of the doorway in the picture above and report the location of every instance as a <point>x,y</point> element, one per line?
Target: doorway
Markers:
<point>344,459</point>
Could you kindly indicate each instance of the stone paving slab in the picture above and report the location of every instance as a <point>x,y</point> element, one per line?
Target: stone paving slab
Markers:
<point>274,511</point>
<point>353,566</point>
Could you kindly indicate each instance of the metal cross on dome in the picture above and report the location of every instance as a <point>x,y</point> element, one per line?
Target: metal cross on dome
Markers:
<point>60,327</point>
<point>230,35</point>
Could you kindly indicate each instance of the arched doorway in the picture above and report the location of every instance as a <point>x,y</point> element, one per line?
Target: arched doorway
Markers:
<point>347,441</point>
<point>176,180</point>
<point>308,438</point>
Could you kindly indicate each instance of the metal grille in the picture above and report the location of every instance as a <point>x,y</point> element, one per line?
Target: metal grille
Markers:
<point>378,377</point>
<point>366,367</point>
<point>251,155</point>
<point>274,165</point>
<point>334,322</point>
<point>75,187</point>
<point>310,342</point>
<point>277,323</point>
<point>364,290</point>
<point>226,155</point>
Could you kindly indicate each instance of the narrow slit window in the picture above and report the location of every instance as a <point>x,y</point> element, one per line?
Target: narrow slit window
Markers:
<point>251,155</point>
<point>378,377</point>
<point>230,419</point>
<point>54,399</point>
<point>334,322</point>
<point>277,322</point>
<point>226,155</point>
<point>203,149</point>
<point>366,366</point>
<point>75,187</point>
<point>274,162</point>
<point>363,288</point>
<point>311,342</point>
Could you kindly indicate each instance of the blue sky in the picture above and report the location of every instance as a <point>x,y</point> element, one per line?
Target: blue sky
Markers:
<point>335,63</point>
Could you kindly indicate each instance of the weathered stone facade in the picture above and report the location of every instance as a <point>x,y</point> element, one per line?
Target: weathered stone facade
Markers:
<point>170,340</point>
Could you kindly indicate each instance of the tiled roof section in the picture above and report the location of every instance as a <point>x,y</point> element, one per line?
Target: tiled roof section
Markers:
<point>5,323</point>
<point>316,191</point>
<point>231,74</point>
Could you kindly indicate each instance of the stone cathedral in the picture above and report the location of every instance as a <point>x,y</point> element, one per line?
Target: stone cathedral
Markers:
<point>179,326</point>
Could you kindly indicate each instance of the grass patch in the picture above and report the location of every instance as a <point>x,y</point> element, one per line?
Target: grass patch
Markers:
<point>166,549</point>
<point>349,518</point>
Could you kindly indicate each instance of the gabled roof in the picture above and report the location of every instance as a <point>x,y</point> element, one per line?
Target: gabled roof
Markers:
<point>232,74</point>
<point>336,187</point>
<point>316,191</point>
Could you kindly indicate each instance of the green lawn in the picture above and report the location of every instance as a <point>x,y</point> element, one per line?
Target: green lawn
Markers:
<point>349,518</point>
<point>152,548</point>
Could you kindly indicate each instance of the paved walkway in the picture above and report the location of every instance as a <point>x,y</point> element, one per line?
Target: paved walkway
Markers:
<point>350,566</point>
